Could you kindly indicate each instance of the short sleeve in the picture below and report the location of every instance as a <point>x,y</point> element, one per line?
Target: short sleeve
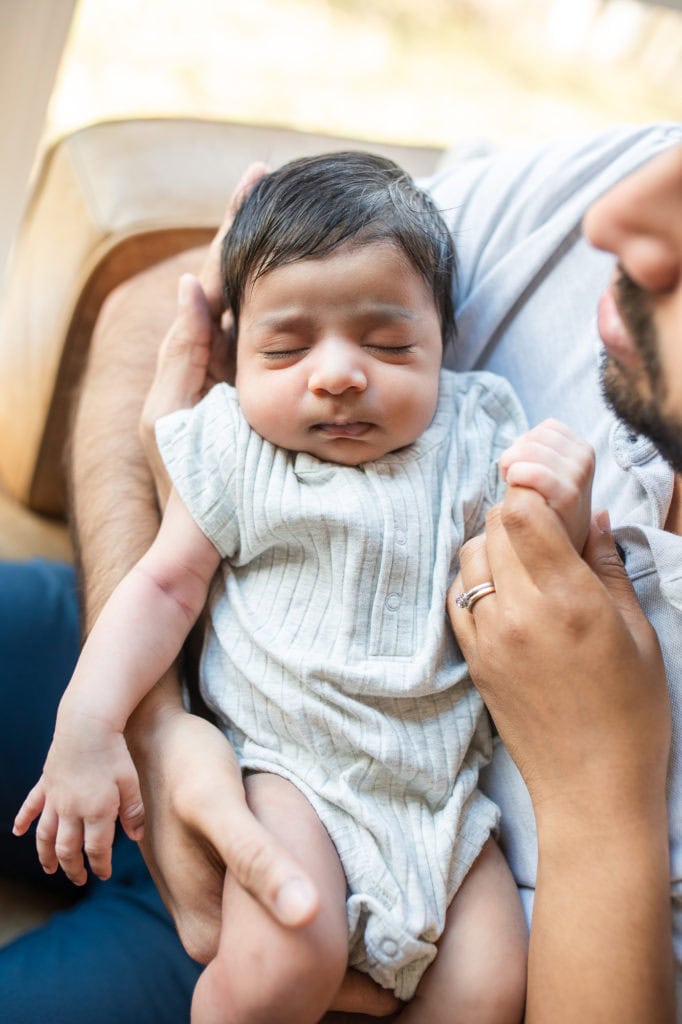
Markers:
<point>199,447</point>
<point>489,418</point>
<point>508,421</point>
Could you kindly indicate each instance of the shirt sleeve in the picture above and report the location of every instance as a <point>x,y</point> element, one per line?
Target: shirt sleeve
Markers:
<point>490,417</point>
<point>513,211</point>
<point>199,447</point>
<point>511,423</point>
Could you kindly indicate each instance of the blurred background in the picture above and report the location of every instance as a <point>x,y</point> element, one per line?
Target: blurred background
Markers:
<point>418,71</point>
<point>425,72</point>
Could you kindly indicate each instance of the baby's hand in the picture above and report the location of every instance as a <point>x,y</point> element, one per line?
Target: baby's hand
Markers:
<point>559,465</point>
<point>89,780</point>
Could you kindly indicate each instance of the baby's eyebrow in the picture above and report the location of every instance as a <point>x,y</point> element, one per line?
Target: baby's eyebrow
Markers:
<point>367,312</point>
<point>291,321</point>
<point>385,311</point>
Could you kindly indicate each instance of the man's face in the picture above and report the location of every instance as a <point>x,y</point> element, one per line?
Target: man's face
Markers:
<point>340,357</point>
<point>640,315</point>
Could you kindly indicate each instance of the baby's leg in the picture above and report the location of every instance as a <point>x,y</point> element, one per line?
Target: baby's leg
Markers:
<point>479,974</point>
<point>264,973</point>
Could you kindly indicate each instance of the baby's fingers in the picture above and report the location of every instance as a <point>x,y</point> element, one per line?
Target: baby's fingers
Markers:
<point>553,444</point>
<point>558,490</point>
<point>46,836</point>
<point>30,809</point>
<point>69,849</point>
<point>98,840</point>
<point>131,808</point>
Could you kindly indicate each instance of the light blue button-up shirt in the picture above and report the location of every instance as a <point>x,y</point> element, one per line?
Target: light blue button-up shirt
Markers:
<point>529,285</point>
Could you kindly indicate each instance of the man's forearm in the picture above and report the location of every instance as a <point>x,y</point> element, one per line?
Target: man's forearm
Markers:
<point>600,947</point>
<point>113,507</point>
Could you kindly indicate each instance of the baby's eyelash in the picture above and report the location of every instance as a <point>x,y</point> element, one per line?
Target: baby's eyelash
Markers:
<point>397,350</point>
<point>286,354</point>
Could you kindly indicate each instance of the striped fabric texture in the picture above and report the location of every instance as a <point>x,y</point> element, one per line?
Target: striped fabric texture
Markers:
<point>329,658</point>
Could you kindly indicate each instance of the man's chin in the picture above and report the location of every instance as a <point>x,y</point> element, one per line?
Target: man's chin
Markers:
<point>641,413</point>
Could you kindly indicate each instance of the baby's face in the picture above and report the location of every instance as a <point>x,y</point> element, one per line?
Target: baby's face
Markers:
<point>340,357</point>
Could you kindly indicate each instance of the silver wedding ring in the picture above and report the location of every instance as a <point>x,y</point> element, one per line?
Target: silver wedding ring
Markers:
<point>468,598</point>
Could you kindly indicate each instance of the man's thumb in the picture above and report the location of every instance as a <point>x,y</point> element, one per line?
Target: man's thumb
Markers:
<point>606,561</point>
<point>193,307</point>
<point>265,869</point>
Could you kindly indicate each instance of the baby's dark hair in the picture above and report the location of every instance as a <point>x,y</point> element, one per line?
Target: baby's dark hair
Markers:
<point>312,206</point>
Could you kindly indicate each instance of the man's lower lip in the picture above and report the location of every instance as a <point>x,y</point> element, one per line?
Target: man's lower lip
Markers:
<point>614,334</point>
<point>343,429</point>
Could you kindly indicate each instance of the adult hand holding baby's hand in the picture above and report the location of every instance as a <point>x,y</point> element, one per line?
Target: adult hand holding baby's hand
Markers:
<point>554,461</point>
<point>563,656</point>
<point>573,676</point>
<point>199,824</point>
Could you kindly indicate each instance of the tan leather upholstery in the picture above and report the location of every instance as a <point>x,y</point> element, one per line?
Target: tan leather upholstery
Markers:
<point>25,534</point>
<point>111,200</point>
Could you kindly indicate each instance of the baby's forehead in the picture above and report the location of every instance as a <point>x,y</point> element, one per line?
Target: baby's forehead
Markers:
<point>317,264</point>
<point>369,266</point>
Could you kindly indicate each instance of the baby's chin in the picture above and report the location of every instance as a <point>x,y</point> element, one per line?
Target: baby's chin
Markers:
<point>351,451</point>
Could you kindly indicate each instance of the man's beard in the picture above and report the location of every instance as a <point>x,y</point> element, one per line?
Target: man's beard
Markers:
<point>622,385</point>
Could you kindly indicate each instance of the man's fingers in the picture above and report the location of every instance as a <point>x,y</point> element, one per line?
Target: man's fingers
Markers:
<point>602,556</point>
<point>210,272</point>
<point>248,850</point>
<point>180,374</point>
<point>185,351</point>
<point>267,871</point>
<point>526,538</point>
<point>190,336</point>
<point>474,569</point>
<point>253,173</point>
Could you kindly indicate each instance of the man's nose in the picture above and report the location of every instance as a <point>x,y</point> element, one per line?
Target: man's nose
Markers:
<point>338,367</point>
<point>639,220</point>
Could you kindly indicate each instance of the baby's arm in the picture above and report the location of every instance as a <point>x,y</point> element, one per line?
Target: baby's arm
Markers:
<point>89,777</point>
<point>559,465</point>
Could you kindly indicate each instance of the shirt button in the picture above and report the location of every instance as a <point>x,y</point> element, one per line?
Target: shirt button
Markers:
<point>393,602</point>
<point>389,947</point>
<point>400,537</point>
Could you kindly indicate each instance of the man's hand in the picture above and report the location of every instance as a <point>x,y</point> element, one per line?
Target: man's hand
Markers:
<point>563,656</point>
<point>573,676</point>
<point>197,822</point>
